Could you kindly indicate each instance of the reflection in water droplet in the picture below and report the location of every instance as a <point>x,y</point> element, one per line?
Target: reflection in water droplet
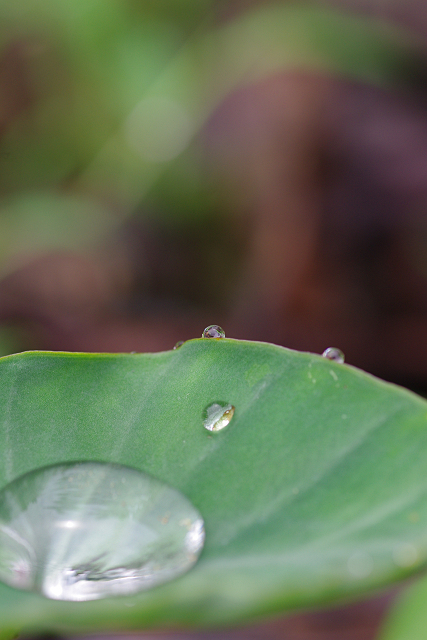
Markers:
<point>213,331</point>
<point>332,353</point>
<point>179,344</point>
<point>217,416</point>
<point>405,554</point>
<point>83,531</point>
<point>360,564</point>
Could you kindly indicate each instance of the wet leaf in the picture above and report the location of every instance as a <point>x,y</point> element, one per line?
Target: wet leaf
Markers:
<point>315,491</point>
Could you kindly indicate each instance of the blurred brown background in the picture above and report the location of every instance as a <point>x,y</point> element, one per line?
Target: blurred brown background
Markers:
<point>293,210</point>
<point>262,166</point>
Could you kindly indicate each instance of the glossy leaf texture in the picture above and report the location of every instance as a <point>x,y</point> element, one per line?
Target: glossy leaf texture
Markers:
<point>315,491</point>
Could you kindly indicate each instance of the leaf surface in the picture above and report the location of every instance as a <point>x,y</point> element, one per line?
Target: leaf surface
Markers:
<point>408,617</point>
<point>310,494</point>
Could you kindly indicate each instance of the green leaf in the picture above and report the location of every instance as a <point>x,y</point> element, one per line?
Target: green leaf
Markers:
<point>408,618</point>
<point>310,494</point>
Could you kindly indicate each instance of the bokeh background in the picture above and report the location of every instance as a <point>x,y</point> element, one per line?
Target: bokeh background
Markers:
<point>169,164</point>
<point>263,166</point>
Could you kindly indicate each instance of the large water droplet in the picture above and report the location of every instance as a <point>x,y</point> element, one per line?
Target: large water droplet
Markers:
<point>332,353</point>
<point>88,530</point>
<point>213,331</point>
<point>217,416</point>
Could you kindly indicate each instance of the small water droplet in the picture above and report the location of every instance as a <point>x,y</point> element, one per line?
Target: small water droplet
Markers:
<point>179,344</point>
<point>213,331</point>
<point>217,416</point>
<point>84,540</point>
<point>332,353</point>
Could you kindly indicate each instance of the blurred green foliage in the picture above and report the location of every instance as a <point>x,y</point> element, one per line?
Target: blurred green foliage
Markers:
<point>73,73</point>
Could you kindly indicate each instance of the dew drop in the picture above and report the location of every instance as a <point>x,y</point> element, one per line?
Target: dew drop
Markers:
<point>213,331</point>
<point>179,344</point>
<point>217,416</point>
<point>103,534</point>
<point>332,353</point>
